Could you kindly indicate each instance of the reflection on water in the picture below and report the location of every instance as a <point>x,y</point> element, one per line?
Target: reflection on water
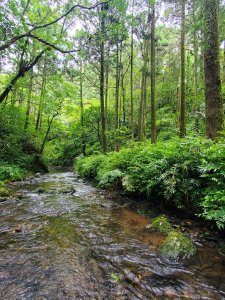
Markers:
<point>65,240</point>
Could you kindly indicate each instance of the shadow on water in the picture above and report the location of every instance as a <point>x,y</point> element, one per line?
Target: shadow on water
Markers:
<point>66,240</point>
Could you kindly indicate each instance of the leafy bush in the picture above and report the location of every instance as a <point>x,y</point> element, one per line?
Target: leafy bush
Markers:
<point>188,174</point>
<point>17,148</point>
<point>214,207</point>
<point>111,177</point>
<point>89,166</point>
<point>11,172</point>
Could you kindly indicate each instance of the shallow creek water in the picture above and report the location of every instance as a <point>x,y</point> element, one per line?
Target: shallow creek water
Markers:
<point>57,245</point>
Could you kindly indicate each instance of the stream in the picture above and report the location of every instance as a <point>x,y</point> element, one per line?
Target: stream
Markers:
<point>67,240</point>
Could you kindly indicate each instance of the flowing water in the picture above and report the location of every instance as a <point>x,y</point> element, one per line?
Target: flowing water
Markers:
<point>66,240</point>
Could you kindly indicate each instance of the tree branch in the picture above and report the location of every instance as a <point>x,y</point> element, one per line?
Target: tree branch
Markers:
<point>22,70</point>
<point>18,37</point>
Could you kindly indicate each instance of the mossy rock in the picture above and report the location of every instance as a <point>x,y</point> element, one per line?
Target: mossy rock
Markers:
<point>161,224</point>
<point>4,192</point>
<point>177,246</point>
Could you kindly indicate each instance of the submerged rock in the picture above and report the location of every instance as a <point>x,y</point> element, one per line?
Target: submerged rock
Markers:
<point>67,190</point>
<point>177,246</point>
<point>2,199</point>
<point>18,196</point>
<point>161,224</point>
<point>18,229</point>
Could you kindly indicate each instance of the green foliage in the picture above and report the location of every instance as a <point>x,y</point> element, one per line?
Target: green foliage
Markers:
<point>188,174</point>
<point>12,172</point>
<point>17,153</point>
<point>214,206</point>
<point>115,277</point>
<point>177,246</point>
<point>89,166</point>
<point>111,177</point>
<point>212,170</point>
<point>161,224</point>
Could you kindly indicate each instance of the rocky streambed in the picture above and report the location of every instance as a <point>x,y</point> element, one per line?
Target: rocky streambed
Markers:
<point>64,239</point>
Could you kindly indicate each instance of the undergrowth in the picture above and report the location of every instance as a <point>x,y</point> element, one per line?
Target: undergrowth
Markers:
<point>188,174</point>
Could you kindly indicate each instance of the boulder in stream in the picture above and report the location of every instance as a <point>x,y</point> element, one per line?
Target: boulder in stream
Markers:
<point>177,246</point>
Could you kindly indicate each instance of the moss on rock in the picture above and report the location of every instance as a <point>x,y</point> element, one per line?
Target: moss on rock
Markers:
<point>161,224</point>
<point>177,246</point>
<point>4,192</point>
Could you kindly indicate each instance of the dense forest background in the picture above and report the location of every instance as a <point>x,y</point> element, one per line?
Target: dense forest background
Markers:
<point>96,77</point>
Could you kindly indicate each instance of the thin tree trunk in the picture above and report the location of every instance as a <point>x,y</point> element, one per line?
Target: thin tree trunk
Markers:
<point>182,72</point>
<point>47,133</point>
<point>83,143</point>
<point>123,99</point>
<point>223,62</point>
<point>102,81</point>
<point>29,100</point>
<point>38,121</point>
<point>26,7</point>
<point>213,96</point>
<point>153,77</point>
<point>140,114</point>
<point>144,105</point>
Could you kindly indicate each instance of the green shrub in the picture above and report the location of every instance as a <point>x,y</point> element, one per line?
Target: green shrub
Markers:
<point>188,174</point>
<point>110,177</point>
<point>214,206</point>
<point>11,172</point>
<point>89,166</point>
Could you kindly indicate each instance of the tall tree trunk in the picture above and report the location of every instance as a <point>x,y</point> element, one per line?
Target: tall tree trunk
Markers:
<point>223,62</point>
<point>102,79</point>
<point>140,112</point>
<point>143,99</point>
<point>131,75</point>
<point>43,82</point>
<point>50,121</point>
<point>144,102</point>
<point>106,87</point>
<point>195,45</point>
<point>213,96</point>
<point>123,98</point>
<point>83,143</point>
<point>117,93</point>
<point>182,72</point>
<point>29,100</point>
<point>153,77</point>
